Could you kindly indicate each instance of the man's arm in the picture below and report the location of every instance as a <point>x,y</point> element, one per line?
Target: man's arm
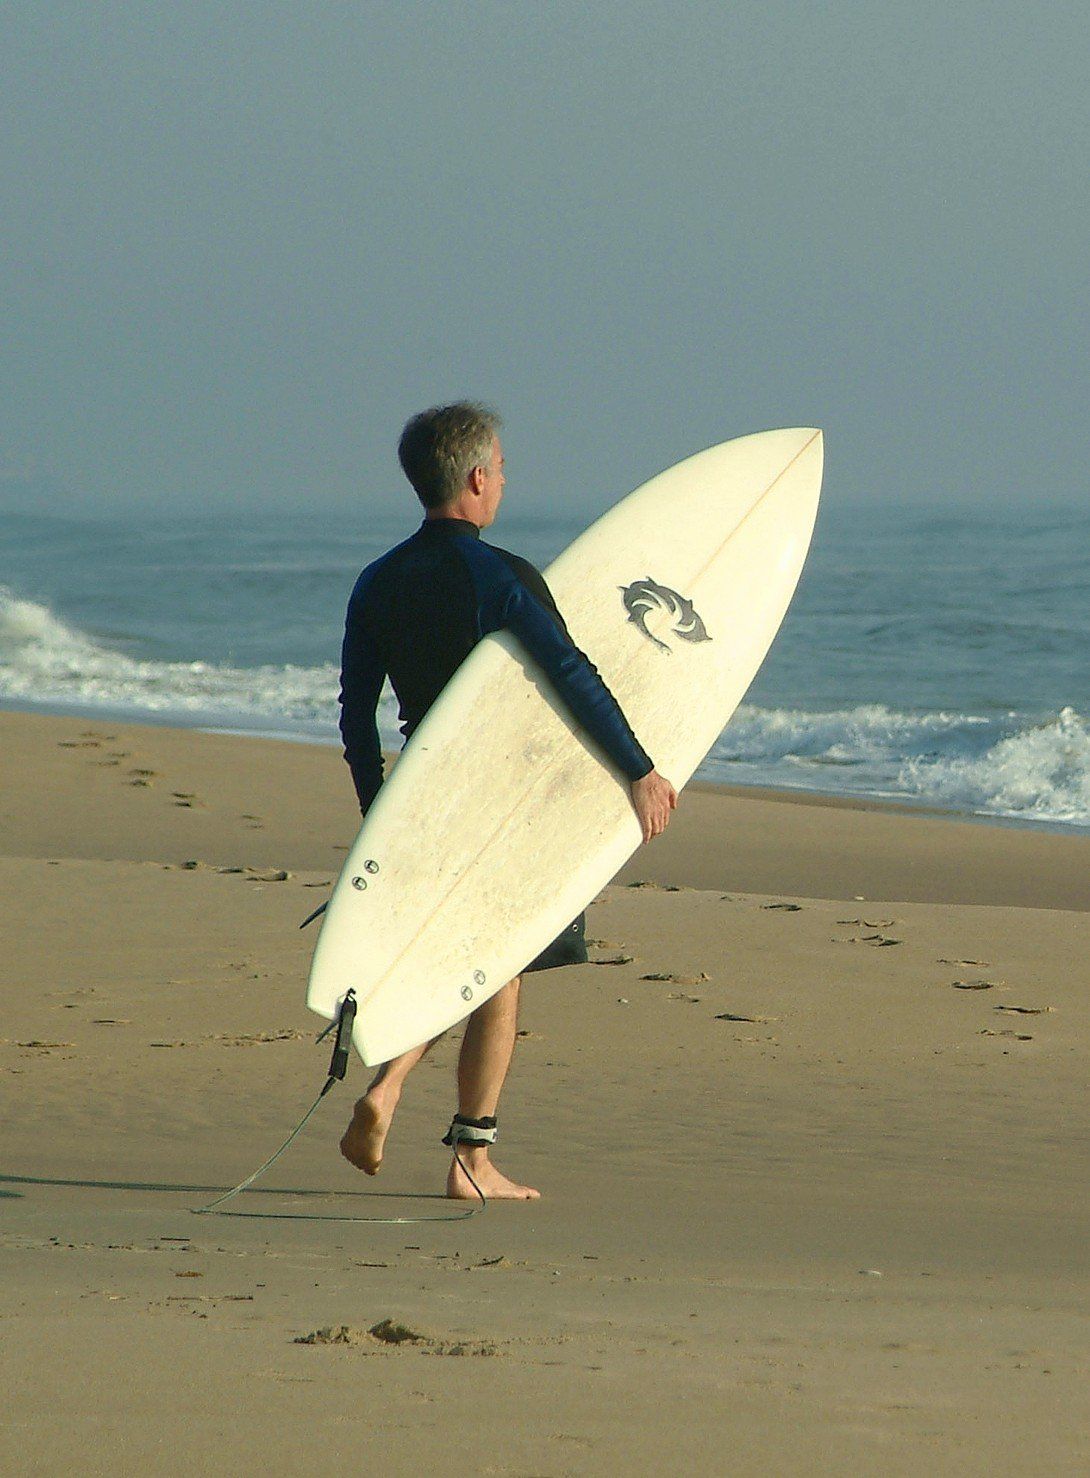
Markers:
<point>362,674</point>
<point>653,797</point>
<point>505,601</point>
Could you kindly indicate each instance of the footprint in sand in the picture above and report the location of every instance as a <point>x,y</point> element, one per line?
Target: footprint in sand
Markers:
<point>393,1332</point>
<point>673,979</point>
<point>78,744</point>
<point>785,907</point>
<point>612,960</point>
<point>973,984</point>
<point>259,1039</point>
<point>1024,1010</point>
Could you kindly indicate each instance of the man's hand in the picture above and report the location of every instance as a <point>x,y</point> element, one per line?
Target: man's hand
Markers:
<point>654,798</point>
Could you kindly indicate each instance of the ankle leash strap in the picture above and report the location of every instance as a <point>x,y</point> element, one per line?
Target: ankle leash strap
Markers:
<point>464,1130</point>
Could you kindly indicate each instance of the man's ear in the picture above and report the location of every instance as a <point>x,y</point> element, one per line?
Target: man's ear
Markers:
<point>476,479</point>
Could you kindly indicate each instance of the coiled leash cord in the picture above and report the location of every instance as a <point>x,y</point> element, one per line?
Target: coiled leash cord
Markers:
<point>462,1131</point>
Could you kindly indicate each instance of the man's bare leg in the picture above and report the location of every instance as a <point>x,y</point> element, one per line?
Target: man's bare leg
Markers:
<point>366,1135</point>
<point>485,1057</point>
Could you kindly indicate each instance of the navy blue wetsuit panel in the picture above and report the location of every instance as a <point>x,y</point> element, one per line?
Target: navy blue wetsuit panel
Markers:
<point>418,612</point>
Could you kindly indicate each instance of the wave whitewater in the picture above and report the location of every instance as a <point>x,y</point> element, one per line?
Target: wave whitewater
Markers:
<point>1014,765</point>
<point>1033,767</point>
<point>44,660</point>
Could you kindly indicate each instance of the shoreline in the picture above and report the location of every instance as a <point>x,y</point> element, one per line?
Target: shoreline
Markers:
<point>784,793</point>
<point>145,792</point>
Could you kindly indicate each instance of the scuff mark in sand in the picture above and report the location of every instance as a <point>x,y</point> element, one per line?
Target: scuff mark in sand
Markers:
<point>391,1332</point>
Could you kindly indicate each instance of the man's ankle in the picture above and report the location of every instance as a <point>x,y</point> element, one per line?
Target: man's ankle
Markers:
<point>472,1154</point>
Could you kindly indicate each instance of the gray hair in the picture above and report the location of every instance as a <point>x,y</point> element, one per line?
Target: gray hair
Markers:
<point>440,447</point>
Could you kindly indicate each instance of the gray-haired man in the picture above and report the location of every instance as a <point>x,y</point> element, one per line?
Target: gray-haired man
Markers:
<point>415,614</point>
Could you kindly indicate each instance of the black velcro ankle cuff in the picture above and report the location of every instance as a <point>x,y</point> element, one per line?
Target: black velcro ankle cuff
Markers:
<point>464,1130</point>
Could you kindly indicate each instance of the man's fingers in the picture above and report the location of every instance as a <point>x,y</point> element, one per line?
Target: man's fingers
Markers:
<point>654,799</point>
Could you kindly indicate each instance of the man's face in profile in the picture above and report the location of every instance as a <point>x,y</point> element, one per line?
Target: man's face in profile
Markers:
<point>494,480</point>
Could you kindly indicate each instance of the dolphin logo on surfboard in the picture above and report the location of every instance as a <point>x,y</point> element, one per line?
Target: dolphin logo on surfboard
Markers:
<point>644,596</point>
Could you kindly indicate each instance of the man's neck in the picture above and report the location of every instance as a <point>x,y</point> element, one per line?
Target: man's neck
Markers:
<point>465,507</point>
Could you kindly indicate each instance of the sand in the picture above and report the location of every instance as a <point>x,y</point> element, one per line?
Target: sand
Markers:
<point>811,1134</point>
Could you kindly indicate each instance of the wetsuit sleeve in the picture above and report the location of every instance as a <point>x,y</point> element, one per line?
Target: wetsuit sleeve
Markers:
<point>362,674</point>
<point>505,602</point>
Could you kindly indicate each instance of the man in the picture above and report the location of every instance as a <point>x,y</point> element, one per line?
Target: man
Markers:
<point>415,614</point>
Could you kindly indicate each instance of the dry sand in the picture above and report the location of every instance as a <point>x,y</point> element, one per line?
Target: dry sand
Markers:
<point>810,1204</point>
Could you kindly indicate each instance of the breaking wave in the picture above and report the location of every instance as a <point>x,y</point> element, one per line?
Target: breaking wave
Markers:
<point>45,661</point>
<point>1034,767</point>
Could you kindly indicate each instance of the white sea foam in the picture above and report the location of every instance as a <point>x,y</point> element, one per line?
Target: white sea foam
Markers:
<point>1040,772</point>
<point>1011,765</point>
<point>868,733</point>
<point>44,660</point>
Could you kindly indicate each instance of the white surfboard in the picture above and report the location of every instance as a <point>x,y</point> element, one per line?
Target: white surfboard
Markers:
<point>502,819</point>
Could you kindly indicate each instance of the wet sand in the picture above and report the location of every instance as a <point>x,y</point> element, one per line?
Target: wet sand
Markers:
<point>811,1133</point>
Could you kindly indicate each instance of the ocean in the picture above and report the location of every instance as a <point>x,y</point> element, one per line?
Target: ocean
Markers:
<point>937,659</point>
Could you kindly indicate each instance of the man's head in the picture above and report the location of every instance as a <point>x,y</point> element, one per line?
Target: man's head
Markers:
<point>452,456</point>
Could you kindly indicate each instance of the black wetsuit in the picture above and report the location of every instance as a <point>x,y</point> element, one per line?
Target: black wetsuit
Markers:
<point>417,612</point>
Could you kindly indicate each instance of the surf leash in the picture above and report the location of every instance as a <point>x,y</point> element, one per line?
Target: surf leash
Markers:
<point>338,1067</point>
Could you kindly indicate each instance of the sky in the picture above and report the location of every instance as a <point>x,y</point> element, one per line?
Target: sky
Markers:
<point>242,243</point>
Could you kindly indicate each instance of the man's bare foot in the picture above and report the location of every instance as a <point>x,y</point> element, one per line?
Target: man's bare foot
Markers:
<point>495,1186</point>
<point>365,1136</point>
